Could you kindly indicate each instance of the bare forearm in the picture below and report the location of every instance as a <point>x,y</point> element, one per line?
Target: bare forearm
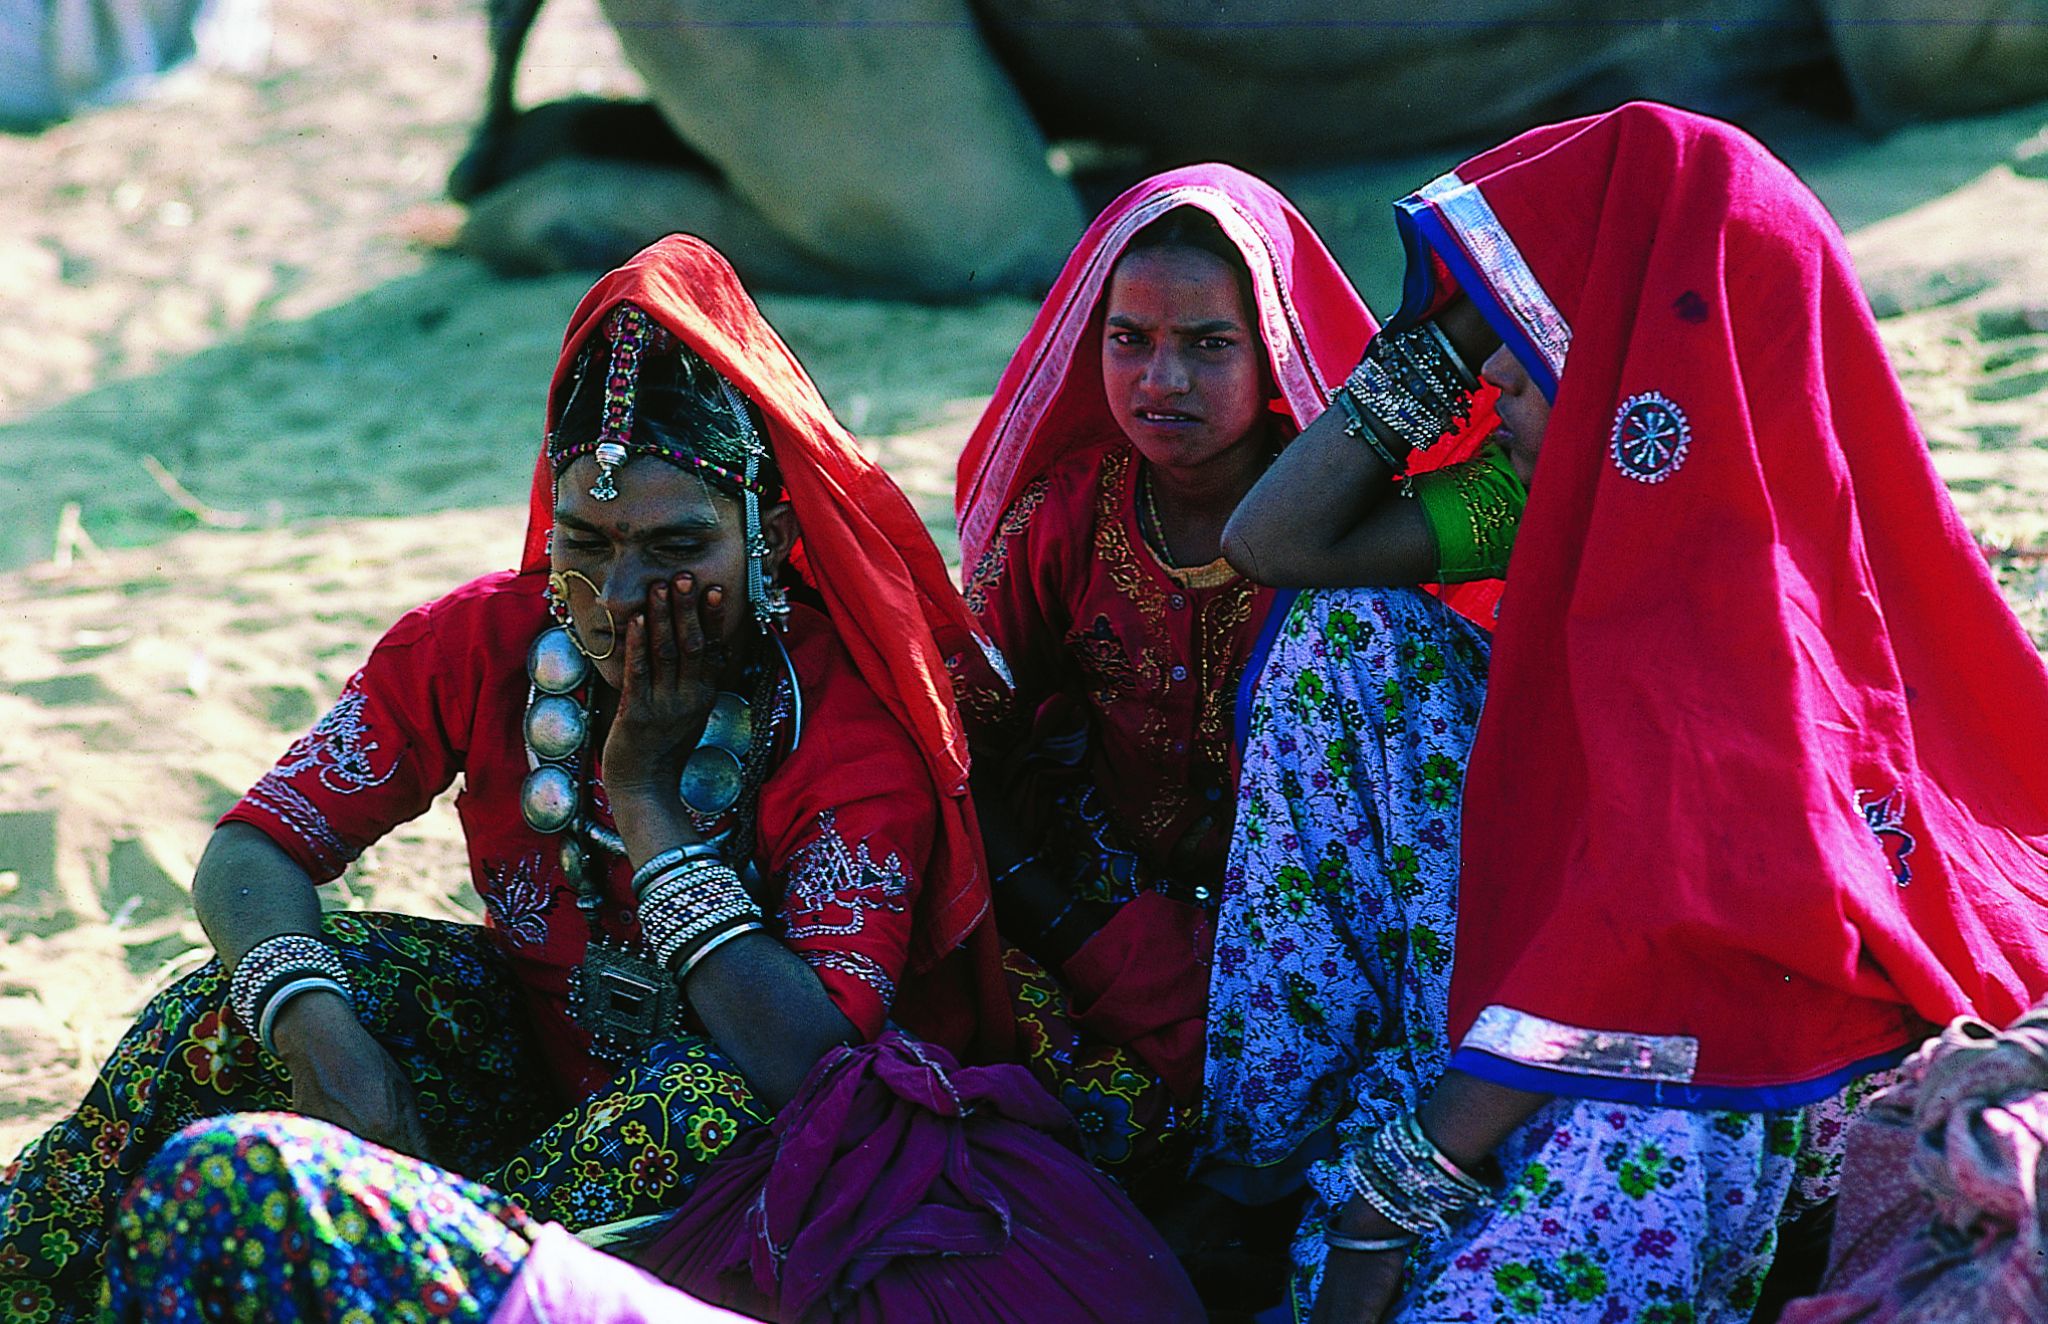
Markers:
<point>1469,1118</point>
<point>1291,525</point>
<point>768,1013</point>
<point>246,889</point>
<point>762,1005</point>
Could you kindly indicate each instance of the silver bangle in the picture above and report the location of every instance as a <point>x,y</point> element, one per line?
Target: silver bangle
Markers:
<point>266,1020</point>
<point>1336,1240</point>
<point>699,850</point>
<point>691,961</point>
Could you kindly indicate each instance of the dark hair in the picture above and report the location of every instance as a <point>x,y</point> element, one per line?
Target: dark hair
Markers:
<point>678,405</point>
<point>1191,227</point>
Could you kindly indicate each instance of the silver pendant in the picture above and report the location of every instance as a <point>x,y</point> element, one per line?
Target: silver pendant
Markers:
<point>548,798</point>
<point>555,664</point>
<point>624,1002</point>
<point>556,726</point>
<point>730,725</point>
<point>711,781</point>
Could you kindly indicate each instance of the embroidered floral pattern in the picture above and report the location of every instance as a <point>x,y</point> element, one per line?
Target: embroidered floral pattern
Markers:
<point>300,817</point>
<point>860,966</point>
<point>439,997</point>
<point>339,748</point>
<point>289,1219</point>
<point>1885,816</point>
<point>518,901</point>
<point>988,571</point>
<point>830,886</point>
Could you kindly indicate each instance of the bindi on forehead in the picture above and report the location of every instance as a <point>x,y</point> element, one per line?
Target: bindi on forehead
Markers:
<point>654,497</point>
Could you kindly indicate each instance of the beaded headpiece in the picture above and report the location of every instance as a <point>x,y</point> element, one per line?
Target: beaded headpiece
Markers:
<point>633,337</point>
<point>717,414</point>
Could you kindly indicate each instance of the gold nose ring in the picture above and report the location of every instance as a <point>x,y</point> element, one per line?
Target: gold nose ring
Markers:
<point>558,585</point>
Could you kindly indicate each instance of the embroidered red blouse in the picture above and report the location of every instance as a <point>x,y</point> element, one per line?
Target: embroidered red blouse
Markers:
<point>844,831</point>
<point>1078,603</point>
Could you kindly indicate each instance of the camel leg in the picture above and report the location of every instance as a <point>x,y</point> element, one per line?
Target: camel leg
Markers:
<point>480,169</point>
<point>883,140</point>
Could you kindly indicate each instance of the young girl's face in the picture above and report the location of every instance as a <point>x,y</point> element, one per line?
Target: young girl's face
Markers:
<point>1182,363</point>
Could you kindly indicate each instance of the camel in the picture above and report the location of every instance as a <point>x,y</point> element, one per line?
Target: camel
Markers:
<point>902,149</point>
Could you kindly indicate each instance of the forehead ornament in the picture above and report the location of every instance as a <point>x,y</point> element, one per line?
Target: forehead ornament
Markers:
<point>631,333</point>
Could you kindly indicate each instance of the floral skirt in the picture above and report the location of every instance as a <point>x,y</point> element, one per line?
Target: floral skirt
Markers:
<point>1330,1001</point>
<point>441,1001</point>
<point>274,1217</point>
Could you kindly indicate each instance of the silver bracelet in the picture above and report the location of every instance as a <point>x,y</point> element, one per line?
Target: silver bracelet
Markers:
<point>272,962</point>
<point>266,1020</point>
<point>698,850</point>
<point>1336,1240</point>
<point>691,961</point>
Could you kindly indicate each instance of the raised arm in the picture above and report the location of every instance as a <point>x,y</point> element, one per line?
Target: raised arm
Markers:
<point>1328,514</point>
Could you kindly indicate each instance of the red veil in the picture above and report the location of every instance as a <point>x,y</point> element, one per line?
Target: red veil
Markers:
<point>1759,788</point>
<point>891,601</point>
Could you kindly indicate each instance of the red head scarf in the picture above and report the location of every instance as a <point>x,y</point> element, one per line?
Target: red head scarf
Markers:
<point>1759,789</point>
<point>862,547</point>
<point>1050,399</point>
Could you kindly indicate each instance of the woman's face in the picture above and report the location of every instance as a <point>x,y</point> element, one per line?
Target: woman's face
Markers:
<point>1182,363</point>
<point>664,522</point>
<point>1524,411</point>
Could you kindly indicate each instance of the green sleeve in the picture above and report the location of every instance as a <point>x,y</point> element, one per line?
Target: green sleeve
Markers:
<point>1472,509</point>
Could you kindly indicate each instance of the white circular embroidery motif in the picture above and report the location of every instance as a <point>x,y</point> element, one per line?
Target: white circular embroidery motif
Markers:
<point>1650,437</point>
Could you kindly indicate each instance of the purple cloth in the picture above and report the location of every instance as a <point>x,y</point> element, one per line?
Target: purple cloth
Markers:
<point>1941,1199</point>
<point>564,1281</point>
<point>900,1186</point>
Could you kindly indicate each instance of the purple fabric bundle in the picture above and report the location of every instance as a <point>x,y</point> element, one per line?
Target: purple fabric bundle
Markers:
<point>1942,1201</point>
<point>900,1186</point>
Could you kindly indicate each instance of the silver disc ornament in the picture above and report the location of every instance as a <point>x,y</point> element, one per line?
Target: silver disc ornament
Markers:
<point>556,726</point>
<point>555,664</point>
<point>730,725</point>
<point>548,798</point>
<point>711,781</point>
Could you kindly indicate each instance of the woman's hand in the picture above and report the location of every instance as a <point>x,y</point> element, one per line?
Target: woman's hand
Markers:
<point>1359,1287</point>
<point>667,689</point>
<point>341,1074</point>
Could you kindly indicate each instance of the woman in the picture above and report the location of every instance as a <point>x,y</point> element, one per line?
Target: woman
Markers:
<point>1196,322</point>
<point>714,800</point>
<point>1737,824</point>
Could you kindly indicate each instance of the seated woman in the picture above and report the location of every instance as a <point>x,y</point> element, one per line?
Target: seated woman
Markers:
<point>1198,319</point>
<point>714,795</point>
<point>1752,803</point>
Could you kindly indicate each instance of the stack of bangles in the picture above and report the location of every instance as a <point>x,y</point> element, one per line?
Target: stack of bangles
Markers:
<point>1409,390</point>
<point>691,904</point>
<point>1409,1182</point>
<point>275,971</point>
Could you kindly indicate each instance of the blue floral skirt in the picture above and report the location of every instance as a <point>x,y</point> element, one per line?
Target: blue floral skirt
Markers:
<point>1330,1002</point>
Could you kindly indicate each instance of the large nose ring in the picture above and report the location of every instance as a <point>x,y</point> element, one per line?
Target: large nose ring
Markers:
<point>558,604</point>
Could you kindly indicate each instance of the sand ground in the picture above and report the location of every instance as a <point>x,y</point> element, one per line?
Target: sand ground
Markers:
<point>236,287</point>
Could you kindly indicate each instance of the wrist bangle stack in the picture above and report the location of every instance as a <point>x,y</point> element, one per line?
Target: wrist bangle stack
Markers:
<point>1410,1182</point>
<point>1414,385</point>
<point>275,971</point>
<point>688,905</point>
